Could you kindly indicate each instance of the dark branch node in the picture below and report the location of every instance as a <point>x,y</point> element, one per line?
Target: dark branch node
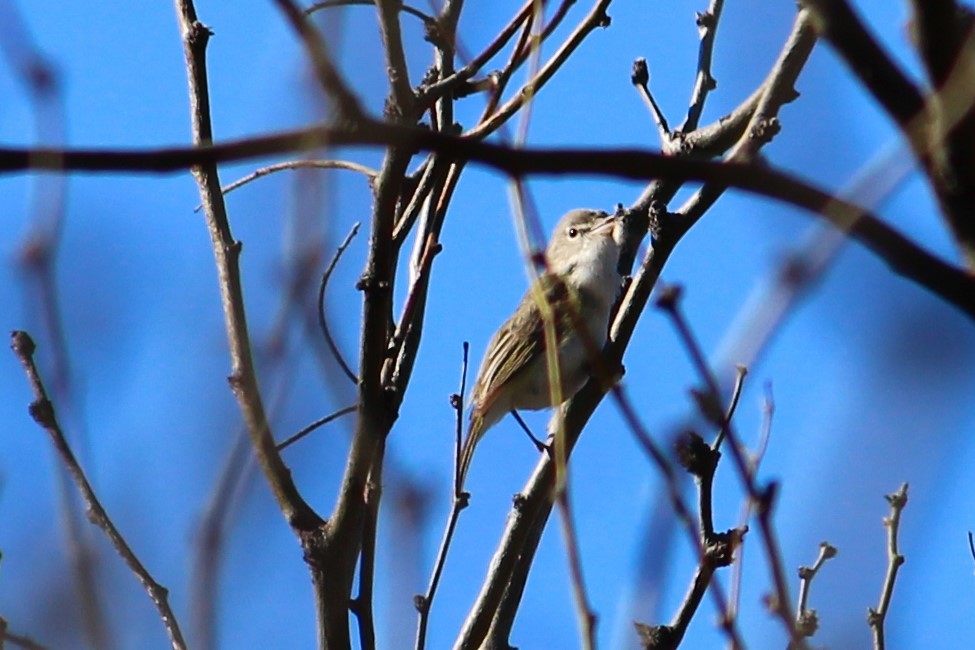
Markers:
<point>235,381</point>
<point>796,271</point>
<point>641,72</point>
<point>719,548</point>
<point>873,617</point>
<point>657,637</point>
<point>696,456</point>
<point>708,405</point>
<point>765,130</point>
<point>35,253</point>
<point>669,296</point>
<point>421,604</point>
<point>433,33</point>
<point>369,284</point>
<point>518,500</point>
<point>897,499</point>
<point>22,344</point>
<point>43,413</point>
<point>44,78</point>
<point>807,623</point>
<point>766,498</point>
<point>704,20</point>
<point>199,35</point>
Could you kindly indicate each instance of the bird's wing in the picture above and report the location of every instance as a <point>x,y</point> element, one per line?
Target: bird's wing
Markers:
<point>520,339</point>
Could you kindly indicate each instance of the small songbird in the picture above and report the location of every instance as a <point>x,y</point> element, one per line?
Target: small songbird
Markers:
<point>578,290</point>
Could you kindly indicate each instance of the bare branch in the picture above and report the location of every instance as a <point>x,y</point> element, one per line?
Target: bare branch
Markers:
<point>19,640</point>
<point>806,619</point>
<point>401,97</point>
<point>322,321</point>
<point>42,411</point>
<point>325,70</point>
<point>836,22</point>
<point>287,442</point>
<point>458,503</point>
<point>640,78</point>
<point>368,172</point>
<point>762,497</point>
<point>704,83</point>
<point>594,19</point>
<point>876,617</point>
<point>584,613</point>
<point>906,258</point>
<point>405,8</point>
<point>737,570</point>
<point>37,258</point>
<point>432,92</point>
<point>939,128</point>
<point>243,377</point>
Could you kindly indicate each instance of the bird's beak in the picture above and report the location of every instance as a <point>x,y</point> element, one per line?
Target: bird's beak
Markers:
<point>604,226</point>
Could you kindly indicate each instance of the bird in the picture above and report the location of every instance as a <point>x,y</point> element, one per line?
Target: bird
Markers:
<point>575,292</point>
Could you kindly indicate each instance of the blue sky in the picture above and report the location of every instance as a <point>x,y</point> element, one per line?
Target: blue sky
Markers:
<point>871,375</point>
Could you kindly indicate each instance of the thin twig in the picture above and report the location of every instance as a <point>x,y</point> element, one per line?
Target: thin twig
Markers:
<point>325,70</point>
<point>432,92</point>
<point>640,78</point>
<point>37,259</point>
<point>807,621</point>
<point>876,617</point>
<point>322,321</point>
<point>931,124</point>
<point>405,8</point>
<point>368,172</point>
<point>763,497</point>
<point>284,444</point>
<point>42,411</point>
<point>707,27</point>
<point>407,331</point>
<point>209,542</point>
<point>19,640</point>
<point>741,372</point>
<point>594,19</point>
<point>716,550</point>
<point>527,47</point>
<point>584,613</point>
<point>458,502</point>
<point>238,469</point>
<point>400,103</point>
<point>531,45</point>
<point>711,551</point>
<point>737,570</point>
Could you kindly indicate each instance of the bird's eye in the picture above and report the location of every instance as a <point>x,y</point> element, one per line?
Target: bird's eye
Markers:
<point>573,233</point>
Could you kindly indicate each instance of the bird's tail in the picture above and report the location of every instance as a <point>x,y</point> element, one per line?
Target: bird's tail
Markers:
<point>474,433</point>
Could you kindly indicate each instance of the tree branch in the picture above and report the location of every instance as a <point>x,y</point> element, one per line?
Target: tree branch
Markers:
<point>42,411</point>
<point>939,128</point>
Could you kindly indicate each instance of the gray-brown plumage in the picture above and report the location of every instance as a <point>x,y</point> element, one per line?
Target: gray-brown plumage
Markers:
<point>577,291</point>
